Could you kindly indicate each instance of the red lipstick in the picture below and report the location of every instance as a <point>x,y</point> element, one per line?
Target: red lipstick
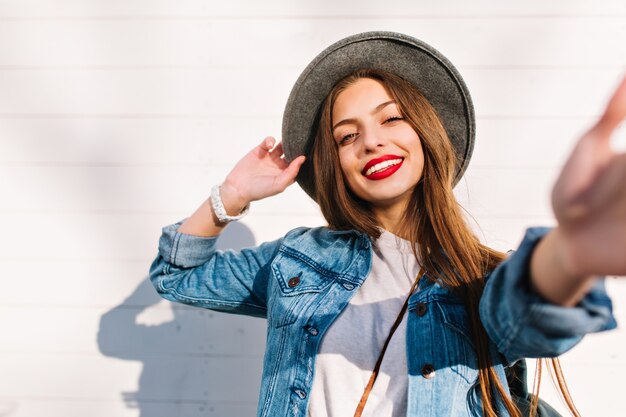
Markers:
<point>383,172</point>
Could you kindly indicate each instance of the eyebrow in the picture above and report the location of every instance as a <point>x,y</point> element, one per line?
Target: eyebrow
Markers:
<point>373,112</point>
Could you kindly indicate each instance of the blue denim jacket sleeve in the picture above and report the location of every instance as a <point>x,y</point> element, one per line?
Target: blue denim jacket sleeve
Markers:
<point>523,324</point>
<point>190,270</point>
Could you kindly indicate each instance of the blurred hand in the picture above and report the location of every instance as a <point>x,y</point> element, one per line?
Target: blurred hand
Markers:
<point>261,173</point>
<point>589,198</point>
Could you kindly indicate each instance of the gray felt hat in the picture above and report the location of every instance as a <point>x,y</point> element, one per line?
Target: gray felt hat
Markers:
<point>403,55</point>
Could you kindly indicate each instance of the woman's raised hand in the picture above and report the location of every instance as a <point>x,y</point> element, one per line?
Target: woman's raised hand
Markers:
<point>589,198</point>
<point>263,172</point>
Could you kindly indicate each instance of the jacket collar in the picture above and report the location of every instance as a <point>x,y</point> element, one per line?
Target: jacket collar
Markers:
<point>344,254</point>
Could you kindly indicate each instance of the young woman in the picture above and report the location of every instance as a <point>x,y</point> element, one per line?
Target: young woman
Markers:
<point>396,289</point>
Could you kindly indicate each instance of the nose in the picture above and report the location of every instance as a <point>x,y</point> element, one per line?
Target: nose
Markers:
<point>371,139</point>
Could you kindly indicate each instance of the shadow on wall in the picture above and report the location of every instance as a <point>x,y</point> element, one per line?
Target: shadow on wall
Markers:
<point>8,407</point>
<point>199,363</point>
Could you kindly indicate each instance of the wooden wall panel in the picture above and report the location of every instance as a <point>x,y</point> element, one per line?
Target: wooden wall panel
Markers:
<point>117,117</point>
<point>199,42</point>
<point>250,8</point>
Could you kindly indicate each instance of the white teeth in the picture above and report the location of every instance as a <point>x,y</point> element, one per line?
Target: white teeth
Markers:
<point>382,165</point>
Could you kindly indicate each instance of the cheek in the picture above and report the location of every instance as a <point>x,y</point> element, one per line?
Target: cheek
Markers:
<point>349,169</point>
<point>345,162</point>
<point>348,164</point>
<point>418,149</point>
<point>421,153</point>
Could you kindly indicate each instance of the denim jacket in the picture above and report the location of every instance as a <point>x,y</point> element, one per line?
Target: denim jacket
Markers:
<point>303,281</point>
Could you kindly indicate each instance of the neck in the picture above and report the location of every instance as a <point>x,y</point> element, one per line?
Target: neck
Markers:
<point>390,218</point>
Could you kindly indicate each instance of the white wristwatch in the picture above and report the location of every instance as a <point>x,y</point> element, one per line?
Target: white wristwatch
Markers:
<point>220,211</point>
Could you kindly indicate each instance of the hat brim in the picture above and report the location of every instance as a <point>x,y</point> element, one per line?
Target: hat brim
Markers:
<point>415,61</point>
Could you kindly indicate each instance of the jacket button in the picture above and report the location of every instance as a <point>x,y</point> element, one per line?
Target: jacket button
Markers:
<point>293,282</point>
<point>312,330</point>
<point>300,393</point>
<point>421,309</point>
<point>348,287</point>
<point>428,371</point>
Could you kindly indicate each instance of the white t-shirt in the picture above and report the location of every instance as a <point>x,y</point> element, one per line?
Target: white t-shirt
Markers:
<point>351,346</point>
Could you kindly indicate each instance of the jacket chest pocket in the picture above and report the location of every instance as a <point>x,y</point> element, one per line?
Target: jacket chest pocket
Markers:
<point>458,344</point>
<point>295,287</point>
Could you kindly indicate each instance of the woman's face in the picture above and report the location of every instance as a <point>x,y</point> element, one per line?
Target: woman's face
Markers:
<point>379,152</point>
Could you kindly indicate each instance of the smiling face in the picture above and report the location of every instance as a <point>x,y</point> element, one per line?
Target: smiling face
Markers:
<point>380,154</point>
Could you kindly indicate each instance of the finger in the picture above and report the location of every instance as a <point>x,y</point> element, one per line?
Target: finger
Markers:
<point>268,143</point>
<point>615,111</point>
<point>264,147</point>
<point>278,156</point>
<point>610,187</point>
<point>278,149</point>
<point>288,176</point>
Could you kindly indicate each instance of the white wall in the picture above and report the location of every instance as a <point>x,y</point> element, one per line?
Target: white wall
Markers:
<point>116,117</point>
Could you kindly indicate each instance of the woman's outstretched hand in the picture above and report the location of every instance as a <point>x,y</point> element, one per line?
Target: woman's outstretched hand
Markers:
<point>589,198</point>
<point>589,203</point>
<point>261,173</point>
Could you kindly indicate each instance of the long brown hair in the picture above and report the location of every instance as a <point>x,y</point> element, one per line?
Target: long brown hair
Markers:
<point>447,247</point>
